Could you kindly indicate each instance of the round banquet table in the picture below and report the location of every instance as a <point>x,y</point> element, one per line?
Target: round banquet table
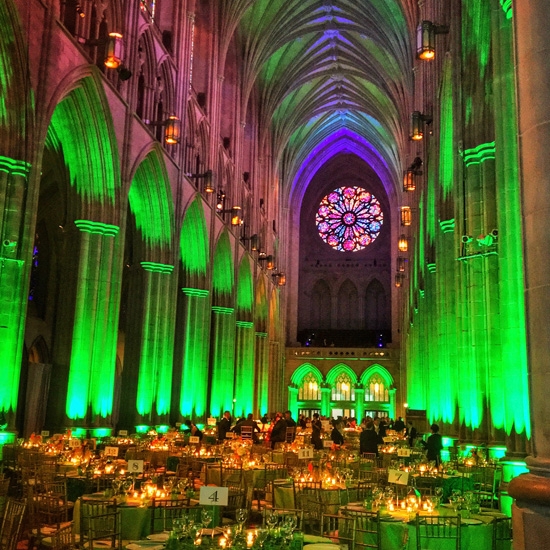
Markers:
<point>398,534</point>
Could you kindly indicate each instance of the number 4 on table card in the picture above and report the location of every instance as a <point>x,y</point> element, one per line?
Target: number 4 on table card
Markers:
<point>213,496</point>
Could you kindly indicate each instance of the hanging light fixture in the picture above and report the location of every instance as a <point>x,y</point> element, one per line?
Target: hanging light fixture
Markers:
<point>268,259</point>
<point>279,278</point>
<point>403,243</point>
<point>399,278</point>
<point>172,130</point>
<point>114,51</point>
<point>401,264</point>
<point>425,39</point>
<point>235,212</point>
<point>406,216</point>
<point>416,132</point>
<point>411,173</point>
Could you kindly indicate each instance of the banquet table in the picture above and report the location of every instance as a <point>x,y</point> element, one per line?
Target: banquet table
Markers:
<point>135,516</point>
<point>397,533</point>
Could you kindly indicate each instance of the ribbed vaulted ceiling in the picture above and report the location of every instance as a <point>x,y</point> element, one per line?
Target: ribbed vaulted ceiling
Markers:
<point>330,72</point>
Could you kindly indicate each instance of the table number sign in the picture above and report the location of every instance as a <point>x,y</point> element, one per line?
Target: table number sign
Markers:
<point>74,443</point>
<point>402,451</point>
<point>305,453</point>
<point>123,433</point>
<point>211,421</point>
<point>194,439</point>
<point>398,477</point>
<point>213,496</point>
<point>135,466</point>
<point>45,433</point>
<point>327,443</point>
<point>111,451</point>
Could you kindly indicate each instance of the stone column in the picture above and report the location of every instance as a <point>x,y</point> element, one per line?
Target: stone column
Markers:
<point>293,400</point>
<point>93,348</point>
<point>13,284</point>
<point>196,335</point>
<point>532,490</point>
<point>261,404</point>
<point>157,342</point>
<point>244,366</point>
<point>222,360</point>
<point>325,399</point>
<point>359,402</point>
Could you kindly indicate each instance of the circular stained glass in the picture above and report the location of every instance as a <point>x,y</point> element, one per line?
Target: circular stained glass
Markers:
<point>349,219</point>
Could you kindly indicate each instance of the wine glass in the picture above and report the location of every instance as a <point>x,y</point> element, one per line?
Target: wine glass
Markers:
<point>272,519</point>
<point>206,517</point>
<point>241,515</point>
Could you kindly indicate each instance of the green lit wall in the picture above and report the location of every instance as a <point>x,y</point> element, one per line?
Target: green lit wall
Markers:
<point>196,307</point>
<point>222,344</point>
<point>466,346</point>
<point>244,360</point>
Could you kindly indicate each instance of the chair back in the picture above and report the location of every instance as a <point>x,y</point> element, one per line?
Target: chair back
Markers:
<point>165,511</point>
<point>437,527</point>
<point>246,433</point>
<point>11,524</point>
<point>339,529</point>
<point>502,533</point>
<point>367,529</point>
<point>290,434</point>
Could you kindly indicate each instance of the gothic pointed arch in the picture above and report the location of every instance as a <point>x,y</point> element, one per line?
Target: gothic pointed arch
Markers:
<point>92,160</point>
<point>223,277</point>
<point>151,204</point>
<point>194,252</point>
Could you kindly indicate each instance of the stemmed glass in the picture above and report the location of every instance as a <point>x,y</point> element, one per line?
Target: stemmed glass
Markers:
<point>206,517</point>
<point>272,520</point>
<point>241,515</point>
<point>168,484</point>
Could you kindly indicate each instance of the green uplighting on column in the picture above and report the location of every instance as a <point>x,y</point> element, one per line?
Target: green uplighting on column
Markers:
<point>151,203</point>
<point>194,251</point>
<point>293,400</point>
<point>244,368</point>
<point>92,159</point>
<point>142,429</point>
<point>262,379</point>
<point>222,360</point>
<point>14,167</point>
<point>479,154</point>
<point>509,388</point>
<point>195,337</point>
<point>447,145</point>
<point>155,370</point>
<point>222,274</point>
<point>91,373</point>
<point>507,8</point>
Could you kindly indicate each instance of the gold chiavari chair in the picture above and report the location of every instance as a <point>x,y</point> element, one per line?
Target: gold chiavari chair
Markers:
<point>437,527</point>
<point>10,532</point>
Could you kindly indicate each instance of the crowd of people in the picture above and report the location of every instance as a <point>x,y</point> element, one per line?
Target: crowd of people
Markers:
<point>372,431</point>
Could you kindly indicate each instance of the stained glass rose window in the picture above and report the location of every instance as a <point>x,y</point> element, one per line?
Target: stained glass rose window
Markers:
<point>349,219</point>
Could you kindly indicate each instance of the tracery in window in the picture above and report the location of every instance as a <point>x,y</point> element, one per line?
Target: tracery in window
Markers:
<point>343,389</point>
<point>309,389</point>
<point>349,219</point>
<point>376,390</point>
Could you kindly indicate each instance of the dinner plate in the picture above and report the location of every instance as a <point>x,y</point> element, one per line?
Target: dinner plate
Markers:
<point>312,539</point>
<point>144,545</point>
<point>469,521</point>
<point>159,537</point>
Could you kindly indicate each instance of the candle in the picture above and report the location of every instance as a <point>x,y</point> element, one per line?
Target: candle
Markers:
<point>223,542</point>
